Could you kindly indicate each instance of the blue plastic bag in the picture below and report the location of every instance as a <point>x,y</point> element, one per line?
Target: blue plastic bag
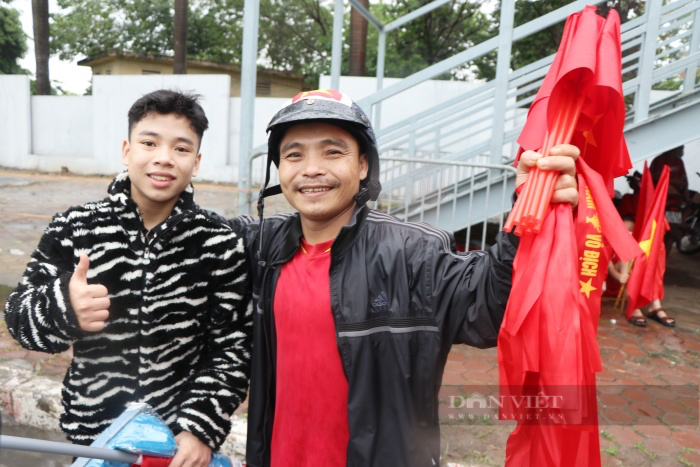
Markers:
<point>139,430</point>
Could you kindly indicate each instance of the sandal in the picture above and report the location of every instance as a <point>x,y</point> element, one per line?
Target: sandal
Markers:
<point>665,320</point>
<point>638,320</point>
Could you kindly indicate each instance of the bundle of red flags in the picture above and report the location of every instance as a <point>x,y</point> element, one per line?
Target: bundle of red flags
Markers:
<point>646,282</point>
<point>547,346</point>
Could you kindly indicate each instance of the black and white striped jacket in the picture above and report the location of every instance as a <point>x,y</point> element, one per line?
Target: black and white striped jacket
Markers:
<point>178,335</point>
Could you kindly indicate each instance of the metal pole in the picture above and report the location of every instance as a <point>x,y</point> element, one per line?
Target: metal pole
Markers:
<point>648,57</point>
<point>337,51</point>
<point>689,80</point>
<point>381,59</point>
<point>66,449</point>
<point>249,70</point>
<point>501,82</point>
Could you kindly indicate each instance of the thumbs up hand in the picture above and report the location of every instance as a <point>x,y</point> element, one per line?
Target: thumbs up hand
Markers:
<point>89,301</point>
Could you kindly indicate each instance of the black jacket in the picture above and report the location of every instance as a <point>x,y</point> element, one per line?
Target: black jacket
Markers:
<point>400,296</point>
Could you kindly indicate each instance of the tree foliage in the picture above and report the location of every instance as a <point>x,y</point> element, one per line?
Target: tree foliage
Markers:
<point>87,27</point>
<point>294,35</point>
<point>429,39</point>
<point>13,42</point>
<point>297,36</point>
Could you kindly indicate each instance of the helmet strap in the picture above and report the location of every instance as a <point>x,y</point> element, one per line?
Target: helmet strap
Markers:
<point>362,196</point>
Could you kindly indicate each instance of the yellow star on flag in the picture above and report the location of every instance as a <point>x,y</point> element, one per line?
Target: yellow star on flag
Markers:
<point>587,287</point>
<point>645,245</point>
<point>588,134</point>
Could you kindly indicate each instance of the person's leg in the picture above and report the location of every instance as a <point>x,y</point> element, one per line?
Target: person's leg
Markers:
<point>656,312</point>
<point>637,318</point>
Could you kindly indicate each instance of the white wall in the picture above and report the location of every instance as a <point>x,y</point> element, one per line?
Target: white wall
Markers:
<point>15,120</point>
<point>84,134</point>
<point>59,126</point>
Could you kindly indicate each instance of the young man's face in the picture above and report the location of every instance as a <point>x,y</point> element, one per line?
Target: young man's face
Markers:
<point>162,157</point>
<point>320,170</point>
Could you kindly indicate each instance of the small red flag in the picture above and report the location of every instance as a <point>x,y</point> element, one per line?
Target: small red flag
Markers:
<point>646,280</point>
<point>646,199</point>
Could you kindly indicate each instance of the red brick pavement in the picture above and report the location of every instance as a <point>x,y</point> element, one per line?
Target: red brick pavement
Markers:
<point>648,413</point>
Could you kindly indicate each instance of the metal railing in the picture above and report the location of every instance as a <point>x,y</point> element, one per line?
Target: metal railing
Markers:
<point>659,47</point>
<point>434,200</point>
<point>447,198</point>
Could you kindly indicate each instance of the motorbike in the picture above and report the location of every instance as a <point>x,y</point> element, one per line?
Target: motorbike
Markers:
<point>689,242</point>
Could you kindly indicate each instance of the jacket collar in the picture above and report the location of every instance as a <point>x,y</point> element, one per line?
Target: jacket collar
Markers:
<point>285,241</point>
<point>120,194</point>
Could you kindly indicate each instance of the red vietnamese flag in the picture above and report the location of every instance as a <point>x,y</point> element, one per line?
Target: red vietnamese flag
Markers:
<point>646,199</point>
<point>548,312</point>
<point>646,280</point>
<point>598,225</point>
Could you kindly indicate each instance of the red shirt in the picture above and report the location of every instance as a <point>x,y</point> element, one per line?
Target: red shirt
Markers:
<point>311,410</point>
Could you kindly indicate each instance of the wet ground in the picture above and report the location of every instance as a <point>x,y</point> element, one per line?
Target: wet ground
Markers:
<point>11,458</point>
<point>647,409</point>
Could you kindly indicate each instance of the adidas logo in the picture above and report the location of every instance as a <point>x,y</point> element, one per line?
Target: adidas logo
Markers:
<point>381,303</point>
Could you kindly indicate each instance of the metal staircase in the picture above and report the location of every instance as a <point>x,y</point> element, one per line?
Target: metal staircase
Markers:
<point>428,172</point>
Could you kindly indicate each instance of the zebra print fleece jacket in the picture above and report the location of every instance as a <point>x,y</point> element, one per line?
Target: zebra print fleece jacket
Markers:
<point>178,335</point>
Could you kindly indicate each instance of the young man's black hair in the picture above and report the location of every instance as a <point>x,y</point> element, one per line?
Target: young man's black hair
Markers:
<point>166,101</point>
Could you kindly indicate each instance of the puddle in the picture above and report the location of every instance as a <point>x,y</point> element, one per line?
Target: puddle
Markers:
<point>12,458</point>
<point>12,181</point>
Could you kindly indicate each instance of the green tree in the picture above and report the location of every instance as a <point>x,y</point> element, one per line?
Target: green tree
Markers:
<point>215,30</point>
<point>294,35</point>
<point>87,27</point>
<point>13,41</point>
<point>297,36</point>
<point>428,39</point>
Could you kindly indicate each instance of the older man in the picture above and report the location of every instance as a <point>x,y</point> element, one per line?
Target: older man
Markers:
<point>356,311</point>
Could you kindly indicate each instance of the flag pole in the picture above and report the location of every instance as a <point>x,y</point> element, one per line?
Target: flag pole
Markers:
<point>620,294</point>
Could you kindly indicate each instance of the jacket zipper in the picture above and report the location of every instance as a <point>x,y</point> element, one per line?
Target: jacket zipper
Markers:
<point>146,252</point>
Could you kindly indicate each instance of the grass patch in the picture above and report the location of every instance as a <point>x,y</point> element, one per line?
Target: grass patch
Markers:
<point>612,451</point>
<point>684,461</point>
<point>668,355</point>
<point>640,360</point>
<point>479,458</point>
<point>476,421</point>
<point>643,449</point>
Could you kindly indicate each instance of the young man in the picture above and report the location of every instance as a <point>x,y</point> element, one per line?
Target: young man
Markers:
<point>149,289</point>
<point>356,311</point>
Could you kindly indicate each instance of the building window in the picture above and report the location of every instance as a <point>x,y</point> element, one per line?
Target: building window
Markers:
<point>263,88</point>
<point>150,72</point>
